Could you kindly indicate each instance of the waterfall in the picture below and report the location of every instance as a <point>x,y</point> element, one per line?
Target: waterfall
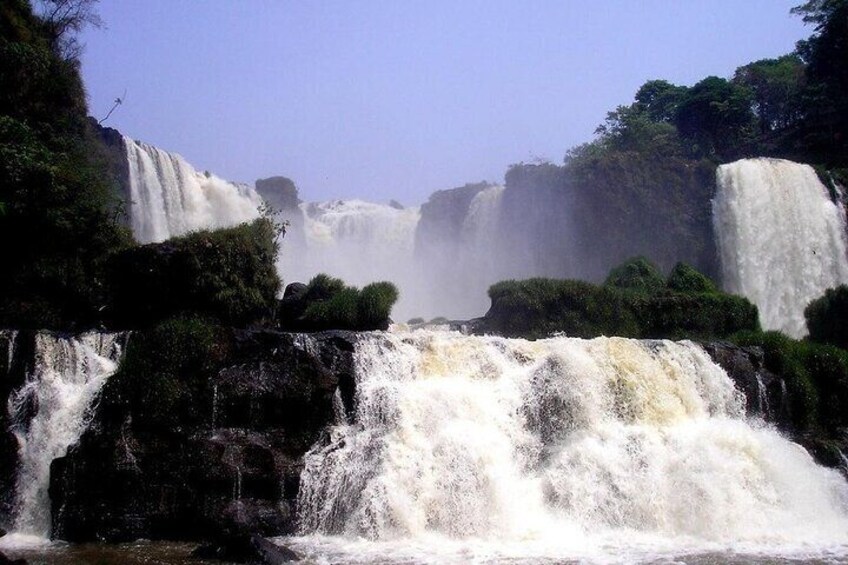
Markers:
<point>359,242</point>
<point>50,412</point>
<point>558,448</point>
<point>169,198</point>
<point>362,242</point>
<point>780,237</point>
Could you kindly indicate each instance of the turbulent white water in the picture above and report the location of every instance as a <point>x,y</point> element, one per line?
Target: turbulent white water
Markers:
<point>781,239</point>
<point>51,411</point>
<point>168,197</point>
<point>482,448</point>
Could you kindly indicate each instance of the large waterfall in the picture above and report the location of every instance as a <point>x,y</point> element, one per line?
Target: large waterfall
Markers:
<point>169,198</point>
<point>781,239</point>
<point>470,449</point>
<point>49,414</point>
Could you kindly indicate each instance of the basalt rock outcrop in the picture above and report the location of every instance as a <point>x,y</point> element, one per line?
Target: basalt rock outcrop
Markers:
<point>222,470</point>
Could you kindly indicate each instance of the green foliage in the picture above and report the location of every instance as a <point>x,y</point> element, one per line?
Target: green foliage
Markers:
<point>637,274</point>
<point>827,317</point>
<point>683,315</point>
<point>816,378</point>
<point>374,304</point>
<point>58,200</point>
<point>685,278</point>
<point>715,118</point>
<point>777,86</point>
<point>536,308</point>
<point>164,375</point>
<point>328,304</point>
<point>228,275</point>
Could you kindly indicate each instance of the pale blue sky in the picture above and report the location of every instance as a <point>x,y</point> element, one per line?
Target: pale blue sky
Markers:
<point>397,99</point>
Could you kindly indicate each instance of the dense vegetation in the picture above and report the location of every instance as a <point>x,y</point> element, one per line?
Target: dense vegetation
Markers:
<point>59,218</point>
<point>816,378</point>
<point>637,301</point>
<point>226,275</point>
<point>327,303</point>
<point>827,317</point>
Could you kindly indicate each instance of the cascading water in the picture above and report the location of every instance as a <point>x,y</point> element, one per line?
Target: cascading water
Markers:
<point>780,237</point>
<point>359,242</point>
<point>169,198</point>
<point>49,414</point>
<point>470,449</point>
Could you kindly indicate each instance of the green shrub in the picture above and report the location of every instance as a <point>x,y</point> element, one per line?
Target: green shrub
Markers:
<point>637,274</point>
<point>673,315</point>
<point>827,317</point>
<point>328,304</point>
<point>685,278</point>
<point>374,305</point>
<point>228,275</point>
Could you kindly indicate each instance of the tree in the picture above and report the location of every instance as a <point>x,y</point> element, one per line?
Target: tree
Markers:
<point>826,55</point>
<point>64,19</point>
<point>659,100</point>
<point>777,86</point>
<point>715,116</point>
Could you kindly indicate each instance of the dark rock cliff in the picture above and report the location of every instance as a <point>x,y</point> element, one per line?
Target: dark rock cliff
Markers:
<point>234,474</point>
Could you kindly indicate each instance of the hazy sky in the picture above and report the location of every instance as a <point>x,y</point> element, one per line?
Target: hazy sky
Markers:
<point>397,99</point>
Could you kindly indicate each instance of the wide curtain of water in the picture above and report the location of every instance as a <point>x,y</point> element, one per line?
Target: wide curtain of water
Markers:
<point>486,449</point>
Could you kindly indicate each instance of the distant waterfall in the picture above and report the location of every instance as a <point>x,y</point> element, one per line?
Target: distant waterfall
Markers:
<point>780,237</point>
<point>169,198</point>
<point>559,448</point>
<point>51,411</point>
<point>359,242</point>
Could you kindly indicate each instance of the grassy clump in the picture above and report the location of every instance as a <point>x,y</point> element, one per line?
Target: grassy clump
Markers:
<point>827,317</point>
<point>633,302</point>
<point>328,304</point>
<point>227,275</point>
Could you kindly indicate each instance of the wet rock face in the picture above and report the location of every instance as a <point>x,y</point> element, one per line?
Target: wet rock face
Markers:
<point>268,402</point>
<point>16,354</point>
<point>764,391</point>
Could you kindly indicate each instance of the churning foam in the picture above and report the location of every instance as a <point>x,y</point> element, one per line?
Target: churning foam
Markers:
<point>488,448</point>
<point>780,237</point>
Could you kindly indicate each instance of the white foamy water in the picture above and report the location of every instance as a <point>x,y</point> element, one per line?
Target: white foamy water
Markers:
<point>168,197</point>
<point>485,449</point>
<point>781,239</point>
<point>49,414</point>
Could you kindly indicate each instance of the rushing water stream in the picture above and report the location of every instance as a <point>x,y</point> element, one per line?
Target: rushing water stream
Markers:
<point>488,449</point>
